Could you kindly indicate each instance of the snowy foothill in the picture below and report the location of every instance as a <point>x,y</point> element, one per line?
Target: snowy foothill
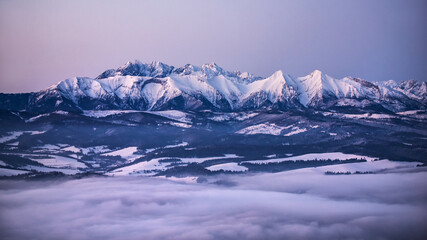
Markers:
<point>125,153</point>
<point>200,160</point>
<point>87,150</point>
<point>11,172</point>
<point>15,134</point>
<point>232,167</point>
<point>67,171</point>
<point>105,113</point>
<point>411,112</point>
<point>173,115</point>
<point>72,149</point>
<point>315,156</point>
<point>155,165</point>
<point>146,168</point>
<point>188,180</point>
<point>56,161</point>
<point>361,167</point>
<point>295,130</point>
<point>183,144</point>
<point>50,147</point>
<point>263,128</point>
<point>180,124</point>
<point>45,115</point>
<point>271,129</point>
<point>10,136</point>
<point>242,116</point>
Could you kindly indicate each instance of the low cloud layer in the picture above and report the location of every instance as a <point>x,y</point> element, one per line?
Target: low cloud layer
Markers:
<point>267,206</point>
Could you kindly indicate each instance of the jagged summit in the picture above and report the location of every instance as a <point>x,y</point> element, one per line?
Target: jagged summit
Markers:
<point>137,68</point>
<point>158,86</point>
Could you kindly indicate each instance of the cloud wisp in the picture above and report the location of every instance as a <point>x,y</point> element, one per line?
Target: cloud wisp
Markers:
<point>265,206</point>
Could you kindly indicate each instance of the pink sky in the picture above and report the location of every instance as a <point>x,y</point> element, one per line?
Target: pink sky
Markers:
<point>43,42</point>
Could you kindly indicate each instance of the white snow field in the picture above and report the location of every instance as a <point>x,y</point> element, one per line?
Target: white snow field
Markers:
<point>315,156</point>
<point>153,166</point>
<point>373,166</point>
<point>263,128</point>
<point>56,161</point>
<point>126,153</point>
<point>233,167</point>
<point>14,135</point>
<point>105,113</point>
<point>146,168</point>
<point>200,160</point>
<point>222,117</point>
<point>11,172</point>
<point>87,150</point>
<point>295,130</point>
<point>173,115</point>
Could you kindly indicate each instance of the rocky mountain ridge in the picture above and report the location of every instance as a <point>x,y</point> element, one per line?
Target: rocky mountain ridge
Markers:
<point>158,86</point>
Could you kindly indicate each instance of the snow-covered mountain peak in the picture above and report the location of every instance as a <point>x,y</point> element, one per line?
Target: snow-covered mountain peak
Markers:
<point>316,73</point>
<point>187,69</point>
<point>389,83</point>
<point>137,68</point>
<point>212,69</point>
<point>211,65</point>
<point>158,86</point>
<point>277,74</point>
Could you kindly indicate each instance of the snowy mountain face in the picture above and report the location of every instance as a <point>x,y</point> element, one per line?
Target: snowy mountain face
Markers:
<point>157,86</point>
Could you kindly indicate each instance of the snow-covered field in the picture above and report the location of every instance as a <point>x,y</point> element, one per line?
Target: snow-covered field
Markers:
<point>200,160</point>
<point>370,167</point>
<point>126,153</point>
<point>11,172</point>
<point>172,114</point>
<point>66,171</point>
<point>180,124</point>
<point>153,166</point>
<point>146,168</point>
<point>315,156</point>
<point>14,135</point>
<point>296,130</point>
<point>263,128</point>
<point>106,113</point>
<point>56,161</point>
<point>183,144</point>
<point>233,167</point>
<point>222,117</point>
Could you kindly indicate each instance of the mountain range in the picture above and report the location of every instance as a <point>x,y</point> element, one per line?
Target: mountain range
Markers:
<point>158,86</point>
<point>197,121</point>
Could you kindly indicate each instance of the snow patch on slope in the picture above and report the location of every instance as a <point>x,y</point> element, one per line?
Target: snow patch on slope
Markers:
<point>173,114</point>
<point>125,153</point>
<point>233,167</point>
<point>315,156</point>
<point>263,128</point>
<point>14,135</point>
<point>106,113</point>
<point>56,161</point>
<point>295,130</point>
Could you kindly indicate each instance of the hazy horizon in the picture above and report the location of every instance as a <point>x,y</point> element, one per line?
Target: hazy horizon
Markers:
<point>45,42</point>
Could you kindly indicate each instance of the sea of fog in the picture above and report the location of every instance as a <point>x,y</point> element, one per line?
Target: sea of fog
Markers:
<point>286,205</point>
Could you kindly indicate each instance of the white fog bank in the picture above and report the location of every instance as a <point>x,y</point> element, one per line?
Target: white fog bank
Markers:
<point>287,205</point>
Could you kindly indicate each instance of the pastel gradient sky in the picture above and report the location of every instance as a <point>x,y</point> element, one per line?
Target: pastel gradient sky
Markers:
<point>43,42</point>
